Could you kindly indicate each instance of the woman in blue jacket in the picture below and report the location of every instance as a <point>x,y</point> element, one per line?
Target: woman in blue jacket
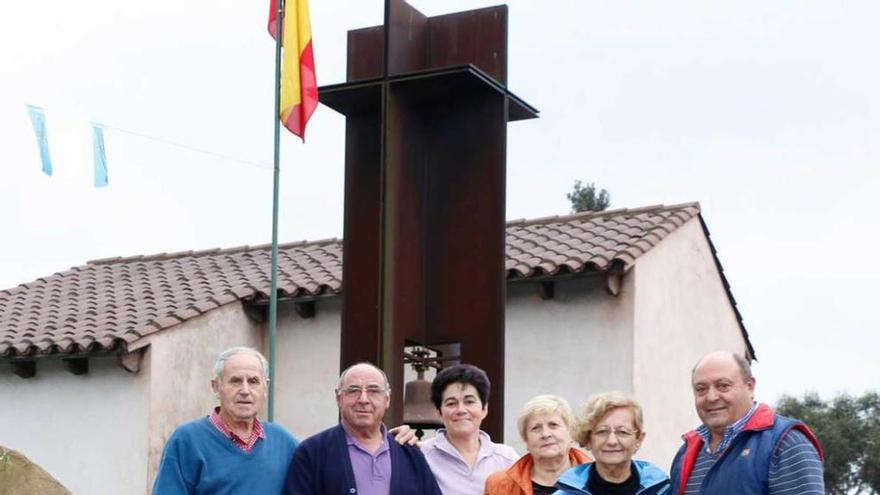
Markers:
<point>611,428</point>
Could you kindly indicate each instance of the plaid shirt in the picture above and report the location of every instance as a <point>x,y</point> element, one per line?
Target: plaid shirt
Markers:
<point>729,433</point>
<point>256,432</point>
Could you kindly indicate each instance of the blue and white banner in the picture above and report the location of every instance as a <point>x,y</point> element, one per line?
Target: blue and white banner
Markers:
<point>99,155</point>
<point>38,120</point>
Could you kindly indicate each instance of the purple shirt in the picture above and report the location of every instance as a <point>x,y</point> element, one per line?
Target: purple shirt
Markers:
<point>372,470</point>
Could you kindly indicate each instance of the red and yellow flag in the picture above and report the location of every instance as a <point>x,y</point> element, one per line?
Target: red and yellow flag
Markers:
<point>299,87</point>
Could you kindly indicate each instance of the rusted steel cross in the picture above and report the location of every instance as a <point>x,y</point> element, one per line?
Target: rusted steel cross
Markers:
<point>426,108</point>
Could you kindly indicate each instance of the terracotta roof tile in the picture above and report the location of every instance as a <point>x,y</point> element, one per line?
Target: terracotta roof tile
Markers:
<point>111,302</point>
<point>592,241</point>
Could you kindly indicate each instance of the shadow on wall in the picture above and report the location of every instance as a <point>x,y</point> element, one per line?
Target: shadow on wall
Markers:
<point>20,476</point>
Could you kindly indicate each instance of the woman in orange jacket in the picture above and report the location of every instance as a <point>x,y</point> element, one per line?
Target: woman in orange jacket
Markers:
<point>545,426</point>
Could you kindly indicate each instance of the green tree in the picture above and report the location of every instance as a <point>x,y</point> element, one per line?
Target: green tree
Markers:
<point>585,198</point>
<point>848,429</point>
<point>870,469</point>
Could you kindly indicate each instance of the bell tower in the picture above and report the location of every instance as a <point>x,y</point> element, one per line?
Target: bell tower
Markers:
<point>426,106</point>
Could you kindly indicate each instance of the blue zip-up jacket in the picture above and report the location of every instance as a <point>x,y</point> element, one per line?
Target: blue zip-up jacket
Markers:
<point>652,480</point>
<point>744,466</point>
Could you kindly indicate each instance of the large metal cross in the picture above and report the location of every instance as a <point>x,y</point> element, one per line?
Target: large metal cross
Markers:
<point>426,108</point>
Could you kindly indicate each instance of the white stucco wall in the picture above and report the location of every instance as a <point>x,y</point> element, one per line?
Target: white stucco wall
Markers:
<point>87,431</point>
<point>681,312</point>
<point>307,368</point>
<point>573,345</point>
<point>179,364</point>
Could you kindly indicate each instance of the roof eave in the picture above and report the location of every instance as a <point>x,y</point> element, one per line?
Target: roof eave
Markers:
<point>726,284</point>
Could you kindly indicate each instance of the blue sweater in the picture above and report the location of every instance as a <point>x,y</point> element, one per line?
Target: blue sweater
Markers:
<point>199,459</point>
<point>321,466</point>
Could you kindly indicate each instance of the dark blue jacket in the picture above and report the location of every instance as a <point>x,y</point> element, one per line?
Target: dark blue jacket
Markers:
<point>321,466</point>
<point>744,467</point>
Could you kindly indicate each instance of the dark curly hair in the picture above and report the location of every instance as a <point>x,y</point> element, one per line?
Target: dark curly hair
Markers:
<point>466,374</point>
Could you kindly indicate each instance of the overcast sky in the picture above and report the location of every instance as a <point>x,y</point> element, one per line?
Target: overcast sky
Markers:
<point>767,113</point>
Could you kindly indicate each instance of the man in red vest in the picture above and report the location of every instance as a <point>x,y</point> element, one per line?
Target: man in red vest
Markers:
<point>742,447</point>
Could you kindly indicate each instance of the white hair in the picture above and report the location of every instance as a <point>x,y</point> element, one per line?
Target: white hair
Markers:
<point>224,356</point>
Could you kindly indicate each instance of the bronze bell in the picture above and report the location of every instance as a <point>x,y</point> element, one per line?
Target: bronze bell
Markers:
<point>418,410</point>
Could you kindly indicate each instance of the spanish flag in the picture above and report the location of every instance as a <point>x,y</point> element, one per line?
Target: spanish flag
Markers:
<point>299,87</point>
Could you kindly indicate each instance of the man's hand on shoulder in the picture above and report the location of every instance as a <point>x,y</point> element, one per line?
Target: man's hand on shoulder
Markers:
<point>404,435</point>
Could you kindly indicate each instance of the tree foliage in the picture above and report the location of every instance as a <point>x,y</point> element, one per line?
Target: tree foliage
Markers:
<point>848,429</point>
<point>585,198</point>
<point>870,468</point>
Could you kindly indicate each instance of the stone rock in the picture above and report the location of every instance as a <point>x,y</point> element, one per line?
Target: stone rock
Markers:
<point>20,476</point>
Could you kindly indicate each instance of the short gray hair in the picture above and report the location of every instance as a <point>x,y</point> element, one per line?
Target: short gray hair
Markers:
<point>371,365</point>
<point>544,404</point>
<point>745,368</point>
<point>224,356</point>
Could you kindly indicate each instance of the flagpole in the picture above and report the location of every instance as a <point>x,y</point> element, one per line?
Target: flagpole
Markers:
<point>273,294</point>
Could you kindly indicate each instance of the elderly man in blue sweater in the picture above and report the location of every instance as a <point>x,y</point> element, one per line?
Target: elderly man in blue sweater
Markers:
<point>358,456</point>
<point>742,447</point>
<point>230,451</point>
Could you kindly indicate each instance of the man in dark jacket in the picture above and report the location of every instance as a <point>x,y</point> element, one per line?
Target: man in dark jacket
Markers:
<point>742,447</point>
<point>358,456</point>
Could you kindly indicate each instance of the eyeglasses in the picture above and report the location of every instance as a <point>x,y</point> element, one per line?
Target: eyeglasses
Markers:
<point>621,433</point>
<point>355,391</point>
